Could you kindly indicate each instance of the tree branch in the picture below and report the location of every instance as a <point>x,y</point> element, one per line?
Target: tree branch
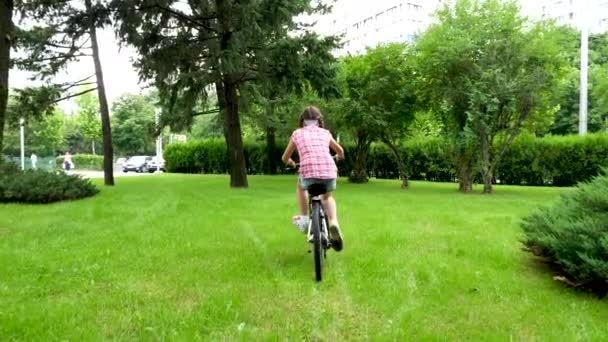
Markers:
<point>181,16</point>
<point>206,112</point>
<point>73,95</point>
<point>63,56</point>
<point>77,85</point>
<point>80,81</point>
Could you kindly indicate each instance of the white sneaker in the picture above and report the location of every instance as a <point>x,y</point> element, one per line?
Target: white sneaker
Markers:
<point>335,236</point>
<point>301,222</point>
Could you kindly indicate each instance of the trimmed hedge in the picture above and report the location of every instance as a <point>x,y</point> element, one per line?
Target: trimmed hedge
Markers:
<point>554,160</point>
<point>83,162</point>
<point>549,161</point>
<point>572,234</point>
<point>39,186</point>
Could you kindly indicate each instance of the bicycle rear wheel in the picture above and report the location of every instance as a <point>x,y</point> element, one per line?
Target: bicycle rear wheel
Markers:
<point>319,251</point>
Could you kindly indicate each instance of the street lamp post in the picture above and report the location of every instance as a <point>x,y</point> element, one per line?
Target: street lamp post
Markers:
<point>584,25</point>
<point>22,134</point>
<point>158,141</point>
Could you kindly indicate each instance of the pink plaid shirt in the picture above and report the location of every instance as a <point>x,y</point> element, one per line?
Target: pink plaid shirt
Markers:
<point>312,143</point>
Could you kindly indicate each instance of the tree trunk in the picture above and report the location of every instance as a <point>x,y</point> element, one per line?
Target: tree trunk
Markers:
<point>93,147</point>
<point>234,140</point>
<point>405,184</point>
<point>359,172</point>
<point>271,147</point>
<point>465,172</point>
<point>108,152</point>
<point>6,33</point>
<point>485,159</point>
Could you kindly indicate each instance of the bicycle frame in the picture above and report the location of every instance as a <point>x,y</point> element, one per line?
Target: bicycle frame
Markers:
<point>322,218</point>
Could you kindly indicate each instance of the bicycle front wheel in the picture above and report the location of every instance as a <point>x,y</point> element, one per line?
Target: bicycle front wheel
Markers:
<point>317,240</point>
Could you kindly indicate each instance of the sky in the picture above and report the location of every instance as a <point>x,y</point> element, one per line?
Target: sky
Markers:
<point>119,74</point>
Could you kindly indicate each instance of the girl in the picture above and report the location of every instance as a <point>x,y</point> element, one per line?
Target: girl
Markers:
<point>313,142</point>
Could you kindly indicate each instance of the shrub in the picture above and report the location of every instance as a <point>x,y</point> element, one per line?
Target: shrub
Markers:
<point>84,162</point>
<point>38,186</point>
<point>8,167</point>
<point>573,234</point>
<point>553,161</point>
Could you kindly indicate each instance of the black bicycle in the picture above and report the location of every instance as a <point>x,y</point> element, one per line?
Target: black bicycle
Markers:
<point>318,233</point>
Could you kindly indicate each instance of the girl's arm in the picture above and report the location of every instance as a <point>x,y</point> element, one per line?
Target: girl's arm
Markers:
<point>291,147</point>
<point>336,148</point>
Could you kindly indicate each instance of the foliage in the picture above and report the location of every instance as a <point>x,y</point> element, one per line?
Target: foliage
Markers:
<point>488,71</point>
<point>379,100</point>
<point>573,234</point>
<point>554,160</point>
<point>44,136</point>
<point>567,92</point>
<point>134,126</point>
<point>216,48</point>
<point>66,31</point>
<point>547,161</point>
<point>38,186</point>
<point>88,119</point>
<point>7,167</point>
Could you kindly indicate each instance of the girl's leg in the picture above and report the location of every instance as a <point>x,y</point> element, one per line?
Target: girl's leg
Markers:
<point>302,196</point>
<point>329,203</point>
<point>335,234</point>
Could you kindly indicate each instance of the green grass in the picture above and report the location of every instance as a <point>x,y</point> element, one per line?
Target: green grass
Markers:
<point>185,257</point>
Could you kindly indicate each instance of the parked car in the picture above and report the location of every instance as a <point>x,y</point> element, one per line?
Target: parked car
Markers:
<point>153,165</point>
<point>136,163</point>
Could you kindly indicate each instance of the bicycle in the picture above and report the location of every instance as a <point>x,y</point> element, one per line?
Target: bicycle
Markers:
<point>318,233</point>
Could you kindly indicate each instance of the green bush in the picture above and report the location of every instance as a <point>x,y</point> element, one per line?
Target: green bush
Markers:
<point>39,186</point>
<point>84,162</point>
<point>573,234</point>
<point>554,160</point>
<point>549,161</point>
<point>8,167</point>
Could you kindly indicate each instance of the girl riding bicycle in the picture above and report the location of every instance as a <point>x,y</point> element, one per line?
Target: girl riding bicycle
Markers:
<point>317,166</point>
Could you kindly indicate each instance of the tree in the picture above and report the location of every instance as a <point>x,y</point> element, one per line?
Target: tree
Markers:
<point>380,96</point>
<point>6,42</point>
<point>208,48</point>
<point>297,65</point>
<point>567,92</point>
<point>133,123</point>
<point>599,94</point>
<point>45,135</point>
<point>88,118</point>
<point>68,29</point>
<point>488,70</point>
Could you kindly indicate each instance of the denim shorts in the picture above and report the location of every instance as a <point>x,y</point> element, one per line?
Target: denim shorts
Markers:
<point>330,184</point>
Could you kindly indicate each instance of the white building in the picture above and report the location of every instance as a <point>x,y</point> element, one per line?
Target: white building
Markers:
<point>592,13</point>
<point>365,23</point>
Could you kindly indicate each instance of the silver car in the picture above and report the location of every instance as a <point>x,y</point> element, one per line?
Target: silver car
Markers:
<point>136,163</point>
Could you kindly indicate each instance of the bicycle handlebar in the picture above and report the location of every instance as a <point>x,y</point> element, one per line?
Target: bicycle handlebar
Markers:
<point>334,157</point>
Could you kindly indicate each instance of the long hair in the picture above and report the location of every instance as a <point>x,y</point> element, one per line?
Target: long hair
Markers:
<point>312,113</point>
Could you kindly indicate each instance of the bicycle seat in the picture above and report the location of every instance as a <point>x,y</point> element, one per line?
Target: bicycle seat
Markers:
<point>317,189</point>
